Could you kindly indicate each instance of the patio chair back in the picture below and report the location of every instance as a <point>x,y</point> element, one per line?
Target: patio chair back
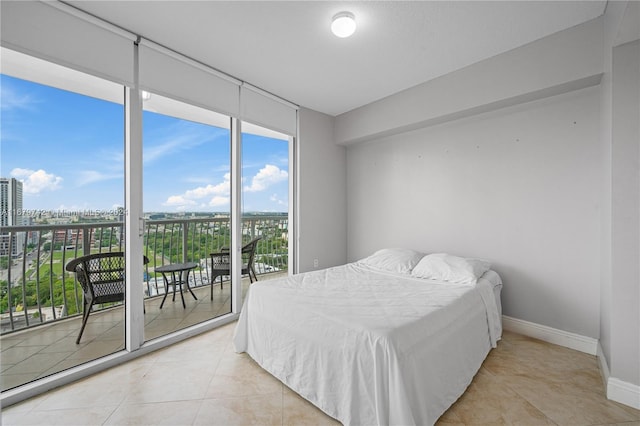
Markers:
<point>221,266</point>
<point>101,276</point>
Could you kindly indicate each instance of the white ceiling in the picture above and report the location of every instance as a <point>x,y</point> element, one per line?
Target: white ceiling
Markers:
<point>287,48</point>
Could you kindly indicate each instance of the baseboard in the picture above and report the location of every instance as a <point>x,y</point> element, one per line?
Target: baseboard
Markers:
<point>552,335</point>
<point>623,392</point>
<point>618,390</point>
<point>604,367</point>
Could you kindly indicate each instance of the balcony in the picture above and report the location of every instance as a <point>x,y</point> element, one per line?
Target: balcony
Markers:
<point>38,337</point>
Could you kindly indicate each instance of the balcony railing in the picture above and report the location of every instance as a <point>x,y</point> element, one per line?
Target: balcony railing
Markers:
<point>35,288</point>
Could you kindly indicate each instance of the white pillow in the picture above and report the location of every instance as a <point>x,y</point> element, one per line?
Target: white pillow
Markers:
<point>396,260</point>
<point>445,267</point>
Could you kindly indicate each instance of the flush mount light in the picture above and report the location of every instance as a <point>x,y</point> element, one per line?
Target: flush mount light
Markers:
<point>343,24</point>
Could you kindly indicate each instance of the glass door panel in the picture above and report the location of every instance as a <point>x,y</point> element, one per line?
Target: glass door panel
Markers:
<point>62,198</point>
<point>186,187</point>
<point>265,202</point>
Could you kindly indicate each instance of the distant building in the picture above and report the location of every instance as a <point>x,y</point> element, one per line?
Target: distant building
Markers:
<point>11,214</point>
<point>73,237</point>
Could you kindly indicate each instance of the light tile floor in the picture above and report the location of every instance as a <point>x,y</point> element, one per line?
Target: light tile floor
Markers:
<point>202,381</point>
<point>40,351</point>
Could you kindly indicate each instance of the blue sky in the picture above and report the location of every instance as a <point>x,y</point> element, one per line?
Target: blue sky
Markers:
<point>68,150</point>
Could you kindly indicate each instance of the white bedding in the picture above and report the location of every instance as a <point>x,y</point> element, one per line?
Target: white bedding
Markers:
<point>370,347</point>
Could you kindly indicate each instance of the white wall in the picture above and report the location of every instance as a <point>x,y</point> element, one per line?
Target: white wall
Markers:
<point>620,133</point>
<point>519,186</point>
<point>613,15</point>
<point>625,214</point>
<point>502,160</point>
<point>322,194</point>
<point>562,62</point>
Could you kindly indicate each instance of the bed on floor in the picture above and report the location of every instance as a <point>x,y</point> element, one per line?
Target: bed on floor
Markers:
<point>393,339</point>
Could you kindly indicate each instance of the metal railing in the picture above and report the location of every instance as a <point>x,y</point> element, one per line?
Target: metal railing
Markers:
<point>35,289</point>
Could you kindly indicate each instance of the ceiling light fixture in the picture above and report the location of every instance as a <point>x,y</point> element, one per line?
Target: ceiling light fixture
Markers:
<point>343,24</point>
<point>146,95</point>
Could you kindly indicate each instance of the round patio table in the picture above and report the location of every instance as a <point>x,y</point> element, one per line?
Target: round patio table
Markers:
<point>176,274</point>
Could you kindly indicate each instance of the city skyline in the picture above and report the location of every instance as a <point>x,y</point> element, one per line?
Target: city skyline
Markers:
<point>68,151</point>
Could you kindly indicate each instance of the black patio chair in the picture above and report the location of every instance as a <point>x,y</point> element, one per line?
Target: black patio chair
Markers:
<point>220,263</point>
<point>101,276</point>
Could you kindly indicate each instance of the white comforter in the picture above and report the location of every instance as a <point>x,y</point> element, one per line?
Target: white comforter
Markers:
<point>367,347</point>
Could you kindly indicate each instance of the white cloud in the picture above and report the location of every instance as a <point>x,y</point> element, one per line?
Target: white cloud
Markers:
<point>36,181</point>
<point>222,188</point>
<point>178,200</point>
<point>267,176</point>
<point>218,194</point>
<point>181,137</point>
<point>166,148</point>
<point>274,198</point>
<point>89,176</point>
<point>72,207</point>
<point>218,201</point>
<point>12,100</point>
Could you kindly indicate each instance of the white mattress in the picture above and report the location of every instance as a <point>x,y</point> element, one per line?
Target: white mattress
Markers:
<point>371,348</point>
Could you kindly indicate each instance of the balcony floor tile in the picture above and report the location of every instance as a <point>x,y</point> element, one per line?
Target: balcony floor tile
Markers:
<point>50,348</point>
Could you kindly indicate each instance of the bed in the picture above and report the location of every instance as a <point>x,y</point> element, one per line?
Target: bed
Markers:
<point>379,341</point>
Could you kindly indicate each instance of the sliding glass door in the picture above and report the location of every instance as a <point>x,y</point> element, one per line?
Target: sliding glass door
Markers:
<point>62,199</point>
<point>115,144</point>
<point>265,201</point>
<point>186,175</point>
